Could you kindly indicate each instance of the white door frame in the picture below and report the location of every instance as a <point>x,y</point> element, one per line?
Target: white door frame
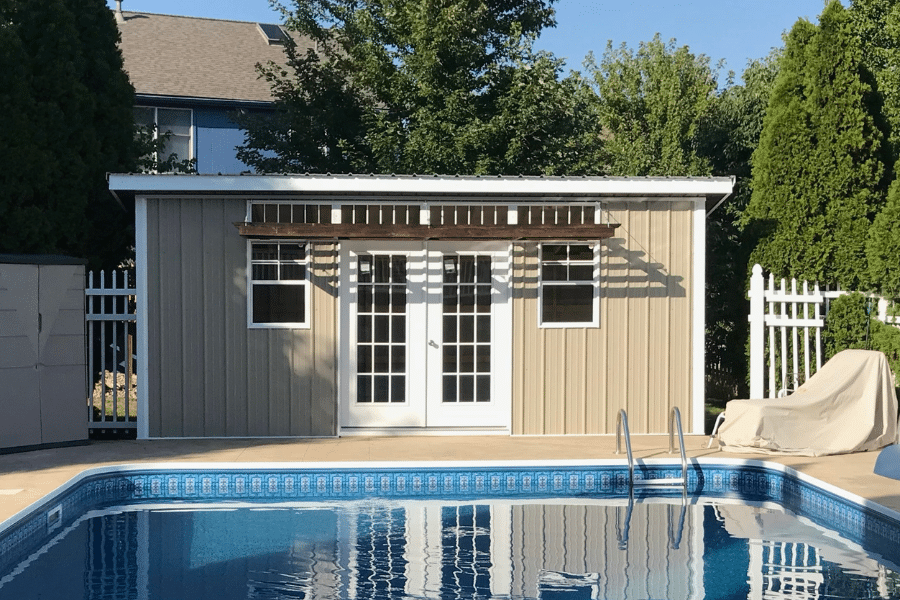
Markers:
<point>419,414</point>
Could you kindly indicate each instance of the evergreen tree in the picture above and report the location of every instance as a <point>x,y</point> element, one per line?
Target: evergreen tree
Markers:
<point>876,24</point>
<point>819,171</point>
<point>883,246</point>
<point>652,103</point>
<point>421,87</point>
<point>66,121</point>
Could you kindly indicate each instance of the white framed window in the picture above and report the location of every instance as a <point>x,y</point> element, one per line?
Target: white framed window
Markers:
<point>569,284</point>
<point>278,281</point>
<point>178,123</point>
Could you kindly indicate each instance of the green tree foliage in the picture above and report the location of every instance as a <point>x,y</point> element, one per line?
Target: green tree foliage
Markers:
<point>851,324</point>
<point>65,121</point>
<point>727,139</point>
<point>883,246</point>
<point>819,172</point>
<point>876,24</point>
<point>651,105</point>
<point>422,87</point>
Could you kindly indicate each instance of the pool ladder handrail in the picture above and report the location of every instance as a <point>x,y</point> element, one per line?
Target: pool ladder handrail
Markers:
<point>674,419</point>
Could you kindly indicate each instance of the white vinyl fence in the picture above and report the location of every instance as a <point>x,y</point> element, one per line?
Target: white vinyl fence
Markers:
<point>786,322</point>
<point>110,321</point>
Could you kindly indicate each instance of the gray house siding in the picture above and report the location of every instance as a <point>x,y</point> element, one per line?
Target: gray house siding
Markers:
<point>209,374</point>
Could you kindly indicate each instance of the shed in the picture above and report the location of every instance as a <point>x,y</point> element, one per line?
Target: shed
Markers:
<point>324,305</point>
<point>43,369</point>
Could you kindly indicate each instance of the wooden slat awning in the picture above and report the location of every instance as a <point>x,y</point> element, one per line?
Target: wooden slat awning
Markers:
<point>348,231</point>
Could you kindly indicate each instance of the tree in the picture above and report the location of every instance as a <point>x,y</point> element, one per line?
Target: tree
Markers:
<point>66,121</point>
<point>652,103</point>
<point>727,139</point>
<point>421,87</point>
<point>883,246</point>
<point>876,24</point>
<point>819,172</point>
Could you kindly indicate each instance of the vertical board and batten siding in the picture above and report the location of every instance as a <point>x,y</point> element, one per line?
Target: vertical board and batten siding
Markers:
<point>575,380</point>
<point>209,375</point>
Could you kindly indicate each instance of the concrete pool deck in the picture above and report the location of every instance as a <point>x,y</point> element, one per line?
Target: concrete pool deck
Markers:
<point>26,477</point>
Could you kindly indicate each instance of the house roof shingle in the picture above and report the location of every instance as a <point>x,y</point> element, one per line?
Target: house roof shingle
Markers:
<point>189,57</point>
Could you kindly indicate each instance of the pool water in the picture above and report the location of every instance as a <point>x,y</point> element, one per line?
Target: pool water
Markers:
<point>568,548</point>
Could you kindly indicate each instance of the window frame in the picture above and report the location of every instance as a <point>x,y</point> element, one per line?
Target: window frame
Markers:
<point>305,283</point>
<point>594,282</point>
<point>156,131</point>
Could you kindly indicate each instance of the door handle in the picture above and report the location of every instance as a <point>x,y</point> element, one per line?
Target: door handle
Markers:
<point>432,343</point>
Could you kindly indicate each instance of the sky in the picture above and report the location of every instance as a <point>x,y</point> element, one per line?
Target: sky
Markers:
<point>733,30</point>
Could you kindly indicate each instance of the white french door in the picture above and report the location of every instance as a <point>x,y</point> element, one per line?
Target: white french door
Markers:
<point>426,336</point>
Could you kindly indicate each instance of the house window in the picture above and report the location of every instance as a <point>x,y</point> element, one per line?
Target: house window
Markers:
<point>177,123</point>
<point>569,289</point>
<point>279,288</point>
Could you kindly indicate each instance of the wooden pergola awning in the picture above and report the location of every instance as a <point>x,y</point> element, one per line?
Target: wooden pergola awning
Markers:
<point>367,231</point>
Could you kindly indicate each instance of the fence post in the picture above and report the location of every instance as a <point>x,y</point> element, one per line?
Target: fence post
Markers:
<point>757,320</point>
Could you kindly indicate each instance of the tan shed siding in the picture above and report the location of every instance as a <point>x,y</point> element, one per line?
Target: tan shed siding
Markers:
<point>624,551</point>
<point>574,381</point>
<point>211,375</point>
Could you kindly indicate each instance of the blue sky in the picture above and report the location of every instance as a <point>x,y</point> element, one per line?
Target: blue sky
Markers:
<point>734,30</point>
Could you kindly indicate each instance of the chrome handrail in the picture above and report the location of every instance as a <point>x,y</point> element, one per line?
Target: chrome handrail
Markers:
<point>675,415</point>
<point>621,419</point>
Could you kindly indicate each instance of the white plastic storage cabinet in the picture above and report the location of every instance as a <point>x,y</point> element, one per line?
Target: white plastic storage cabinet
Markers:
<point>43,368</point>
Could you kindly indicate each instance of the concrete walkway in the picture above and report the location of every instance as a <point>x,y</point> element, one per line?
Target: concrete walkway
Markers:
<point>28,476</point>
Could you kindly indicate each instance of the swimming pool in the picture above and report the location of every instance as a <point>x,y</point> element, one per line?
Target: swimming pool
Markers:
<point>549,530</point>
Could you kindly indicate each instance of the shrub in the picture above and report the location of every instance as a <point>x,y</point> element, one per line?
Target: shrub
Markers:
<point>845,327</point>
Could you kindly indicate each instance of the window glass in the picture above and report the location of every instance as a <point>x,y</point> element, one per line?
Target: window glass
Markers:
<point>568,293</point>
<point>278,282</point>
<point>176,123</point>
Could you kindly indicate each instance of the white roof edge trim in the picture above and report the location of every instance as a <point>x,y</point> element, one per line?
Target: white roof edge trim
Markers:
<point>422,185</point>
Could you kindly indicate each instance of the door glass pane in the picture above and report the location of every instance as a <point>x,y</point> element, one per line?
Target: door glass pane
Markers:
<point>466,329</point>
<point>381,358</point>
<point>467,298</point>
<point>382,328</point>
<point>466,358</point>
<point>450,329</point>
<point>466,388</point>
<point>398,359</point>
<point>484,329</point>
<point>449,388</point>
<point>483,391</point>
<point>364,388</point>
<point>484,269</point>
<point>381,388</point>
<point>398,329</point>
<point>382,298</point>
<point>398,388</point>
<point>364,328</point>
<point>382,269</point>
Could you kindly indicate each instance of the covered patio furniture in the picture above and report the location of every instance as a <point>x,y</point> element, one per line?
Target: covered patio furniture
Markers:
<point>849,405</point>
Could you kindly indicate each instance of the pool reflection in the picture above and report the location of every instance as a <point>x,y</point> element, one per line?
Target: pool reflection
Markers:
<point>657,548</point>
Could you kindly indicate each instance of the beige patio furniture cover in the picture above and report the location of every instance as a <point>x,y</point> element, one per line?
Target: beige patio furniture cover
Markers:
<point>849,405</point>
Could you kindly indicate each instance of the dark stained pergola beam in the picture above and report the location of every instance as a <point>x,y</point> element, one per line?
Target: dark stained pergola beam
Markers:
<point>348,231</point>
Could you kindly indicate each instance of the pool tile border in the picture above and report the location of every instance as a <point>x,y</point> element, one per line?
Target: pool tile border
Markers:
<point>854,518</point>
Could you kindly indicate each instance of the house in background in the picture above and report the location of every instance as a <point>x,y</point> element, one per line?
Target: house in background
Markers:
<point>325,305</point>
<point>190,74</point>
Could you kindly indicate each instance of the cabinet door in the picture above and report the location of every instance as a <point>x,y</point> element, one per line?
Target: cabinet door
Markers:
<point>20,404</point>
<point>63,387</point>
